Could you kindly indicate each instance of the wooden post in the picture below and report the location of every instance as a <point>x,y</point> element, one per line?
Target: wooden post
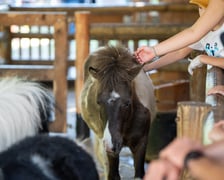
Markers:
<point>191,117</point>
<point>82,38</point>
<point>197,84</point>
<point>4,45</point>
<point>60,75</point>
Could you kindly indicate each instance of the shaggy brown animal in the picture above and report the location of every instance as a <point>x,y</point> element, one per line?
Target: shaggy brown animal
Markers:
<point>117,103</point>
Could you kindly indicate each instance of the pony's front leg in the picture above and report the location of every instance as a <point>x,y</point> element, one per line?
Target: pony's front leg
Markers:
<point>139,159</point>
<point>113,167</point>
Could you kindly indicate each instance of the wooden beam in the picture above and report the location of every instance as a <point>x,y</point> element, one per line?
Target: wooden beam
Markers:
<point>134,31</point>
<point>82,50</point>
<point>44,73</point>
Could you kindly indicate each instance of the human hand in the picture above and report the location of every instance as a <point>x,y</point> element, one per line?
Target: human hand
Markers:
<point>217,132</point>
<point>176,151</point>
<point>194,63</point>
<point>144,54</point>
<point>219,89</point>
<point>162,169</point>
<point>205,168</point>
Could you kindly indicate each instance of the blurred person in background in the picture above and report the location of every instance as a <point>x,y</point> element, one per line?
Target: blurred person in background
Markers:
<point>204,34</point>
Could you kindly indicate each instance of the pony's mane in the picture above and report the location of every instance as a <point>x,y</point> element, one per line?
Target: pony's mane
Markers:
<point>113,64</point>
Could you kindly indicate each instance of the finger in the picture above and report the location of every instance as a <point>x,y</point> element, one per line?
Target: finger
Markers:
<point>221,122</point>
<point>136,57</point>
<point>190,70</point>
<point>173,174</point>
<point>140,49</point>
<point>154,167</point>
<point>139,61</point>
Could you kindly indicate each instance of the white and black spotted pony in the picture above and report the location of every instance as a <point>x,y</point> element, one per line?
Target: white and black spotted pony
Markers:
<point>26,108</point>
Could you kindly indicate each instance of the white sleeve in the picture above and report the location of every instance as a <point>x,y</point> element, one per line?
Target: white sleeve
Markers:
<point>197,46</point>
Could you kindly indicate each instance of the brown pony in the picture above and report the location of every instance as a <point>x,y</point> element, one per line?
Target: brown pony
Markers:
<point>117,103</point>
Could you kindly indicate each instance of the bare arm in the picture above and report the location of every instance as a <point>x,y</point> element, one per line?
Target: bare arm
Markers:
<point>214,61</point>
<point>211,165</point>
<point>206,169</point>
<point>219,89</point>
<point>172,157</point>
<point>202,26</point>
<point>168,59</point>
<point>215,151</point>
<point>217,132</point>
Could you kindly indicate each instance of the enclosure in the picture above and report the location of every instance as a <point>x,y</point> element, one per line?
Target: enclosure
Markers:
<point>49,42</point>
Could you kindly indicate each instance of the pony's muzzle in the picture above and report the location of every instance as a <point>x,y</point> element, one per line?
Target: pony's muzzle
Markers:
<point>117,146</point>
<point>113,148</point>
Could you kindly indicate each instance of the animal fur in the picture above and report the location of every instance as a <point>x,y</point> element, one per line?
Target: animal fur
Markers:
<point>25,110</point>
<point>118,104</point>
<point>44,157</point>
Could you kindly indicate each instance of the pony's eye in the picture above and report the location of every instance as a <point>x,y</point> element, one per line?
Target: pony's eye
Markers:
<point>98,101</point>
<point>127,104</point>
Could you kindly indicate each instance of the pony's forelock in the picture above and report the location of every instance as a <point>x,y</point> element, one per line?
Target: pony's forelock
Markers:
<point>113,64</point>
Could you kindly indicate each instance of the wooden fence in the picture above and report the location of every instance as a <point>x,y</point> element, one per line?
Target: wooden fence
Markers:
<point>133,22</point>
<point>93,24</point>
<point>57,71</point>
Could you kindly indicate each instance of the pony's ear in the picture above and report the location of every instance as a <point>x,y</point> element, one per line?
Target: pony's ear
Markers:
<point>93,72</point>
<point>134,71</point>
<point>136,68</point>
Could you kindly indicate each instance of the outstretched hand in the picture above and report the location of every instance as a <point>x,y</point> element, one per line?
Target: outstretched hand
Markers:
<point>144,54</point>
<point>171,160</point>
<point>166,171</point>
<point>176,151</point>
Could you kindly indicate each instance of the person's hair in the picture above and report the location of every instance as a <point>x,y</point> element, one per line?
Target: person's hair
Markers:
<point>200,3</point>
<point>222,38</point>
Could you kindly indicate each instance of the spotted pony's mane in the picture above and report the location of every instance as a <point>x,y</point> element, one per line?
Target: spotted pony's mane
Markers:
<point>113,65</point>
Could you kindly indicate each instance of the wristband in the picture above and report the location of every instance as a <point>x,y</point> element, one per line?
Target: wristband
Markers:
<point>192,155</point>
<point>155,53</point>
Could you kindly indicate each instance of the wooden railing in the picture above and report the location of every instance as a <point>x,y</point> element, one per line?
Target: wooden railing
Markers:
<point>135,20</point>
<point>116,13</point>
<point>100,26</point>
<point>57,71</point>
<point>87,30</point>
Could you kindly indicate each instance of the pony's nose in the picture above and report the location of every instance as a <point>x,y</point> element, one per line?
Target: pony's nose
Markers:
<point>114,148</point>
<point>108,146</point>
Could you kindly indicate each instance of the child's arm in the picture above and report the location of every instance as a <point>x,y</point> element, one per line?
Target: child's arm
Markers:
<point>219,89</point>
<point>200,28</point>
<point>214,61</point>
<point>217,132</point>
<point>168,59</point>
